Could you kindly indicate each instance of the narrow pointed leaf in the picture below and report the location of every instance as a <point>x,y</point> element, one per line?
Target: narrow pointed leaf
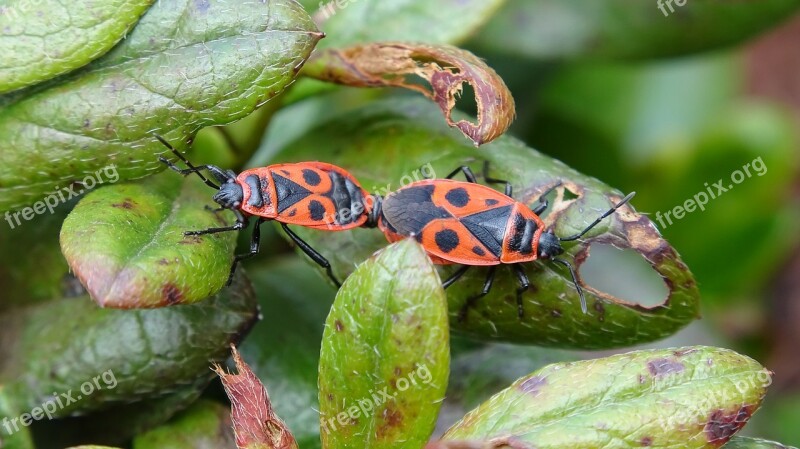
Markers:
<point>444,68</point>
<point>385,354</point>
<point>283,348</point>
<point>43,39</point>
<point>694,397</point>
<point>126,356</point>
<point>126,244</point>
<point>254,421</point>
<point>186,65</point>
<point>407,133</point>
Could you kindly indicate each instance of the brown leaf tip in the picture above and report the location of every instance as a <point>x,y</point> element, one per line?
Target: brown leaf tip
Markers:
<point>721,426</point>
<point>254,421</point>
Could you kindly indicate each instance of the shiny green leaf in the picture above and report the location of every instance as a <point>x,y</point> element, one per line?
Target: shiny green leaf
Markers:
<point>186,65</point>
<point>40,40</point>
<point>104,357</point>
<point>126,243</point>
<point>385,354</point>
<point>693,397</point>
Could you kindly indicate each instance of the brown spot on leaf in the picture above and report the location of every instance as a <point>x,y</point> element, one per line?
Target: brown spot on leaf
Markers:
<point>663,367</point>
<point>721,426</point>
<point>392,418</point>
<point>339,326</point>
<point>646,441</point>
<point>533,385</point>
<point>171,294</point>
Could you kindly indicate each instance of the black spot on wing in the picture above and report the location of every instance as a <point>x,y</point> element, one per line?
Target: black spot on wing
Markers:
<point>491,202</point>
<point>311,177</point>
<point>447,240</point>
<point>254,183</point>
<point>458,197</point>
<point>316,209</point>
<point>408,210</point>
<point>478,250</point>
<point>489,227</point>
<point>289,192</point>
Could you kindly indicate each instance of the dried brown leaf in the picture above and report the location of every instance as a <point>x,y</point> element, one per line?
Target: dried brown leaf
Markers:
<point>254,421</point>
<point>443,67</point>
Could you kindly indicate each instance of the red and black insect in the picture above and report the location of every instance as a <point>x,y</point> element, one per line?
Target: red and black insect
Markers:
<point>474,225</point>
<point>311,194</point>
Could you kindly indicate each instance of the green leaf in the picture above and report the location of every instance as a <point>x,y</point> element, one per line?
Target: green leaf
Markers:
<point>572,29</point>
<point>385,354</point>
<point>738,442</point>
<point>43,39</point>
<point>123,356</point>
<point>351,22</point>
<point>187,64</point>
<point>396,141</point>
<point>693,397</point>
<point>205,424</point>
<point>126,244</point>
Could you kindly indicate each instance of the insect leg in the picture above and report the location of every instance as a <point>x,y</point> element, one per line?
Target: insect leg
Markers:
<point>508,188</point>
<point>241,223</point>
<point>487,286</point>
<point>543,203</point>
<point>455,276</point>
<point>312,253</point>
<point>467,174</point>
<point>524,285</point>
<point>255,245</point>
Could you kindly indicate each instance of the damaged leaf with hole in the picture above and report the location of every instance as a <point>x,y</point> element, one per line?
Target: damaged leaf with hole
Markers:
<point>444,68</point>
<point>692,397</point>
<point>125,243</point>
<point>406,133</point>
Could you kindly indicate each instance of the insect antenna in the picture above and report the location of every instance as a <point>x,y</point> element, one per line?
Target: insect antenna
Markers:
<point>192,168</point>
<point>574,281</point>
<point>599,219</point>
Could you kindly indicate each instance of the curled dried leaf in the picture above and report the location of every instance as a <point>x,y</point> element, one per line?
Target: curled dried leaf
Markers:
<point>254,421</point>
<point>443,67</point>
